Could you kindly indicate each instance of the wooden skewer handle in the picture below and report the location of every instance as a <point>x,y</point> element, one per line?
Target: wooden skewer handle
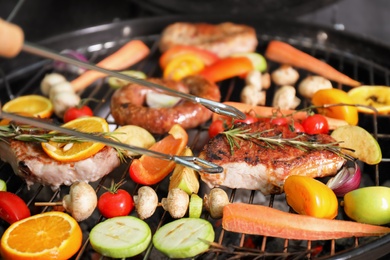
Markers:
<point>11,39</point>
<point>48,204</point>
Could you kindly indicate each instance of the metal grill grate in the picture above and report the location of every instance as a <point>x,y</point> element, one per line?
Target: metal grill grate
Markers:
<point>26,79</point>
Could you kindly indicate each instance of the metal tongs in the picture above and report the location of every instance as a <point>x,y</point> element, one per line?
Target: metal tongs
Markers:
<point>193,162</point>
<point>214,106</point>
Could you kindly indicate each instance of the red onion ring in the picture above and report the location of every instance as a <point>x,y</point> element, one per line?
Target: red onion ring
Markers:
<point>65,67</point>
<point>347,179</point>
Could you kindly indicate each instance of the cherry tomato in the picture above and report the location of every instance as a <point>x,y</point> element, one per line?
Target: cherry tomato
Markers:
<point>315,124</point>
<point>279,121</point>
<point>298,127</point>
<point>115,202</point>
<point>248,120</point>
<point>216,127</point>
<point>12,207</point>
<point>227,68</point>
<point>76,112</point>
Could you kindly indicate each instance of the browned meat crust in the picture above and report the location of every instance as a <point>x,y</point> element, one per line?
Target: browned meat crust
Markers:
<point>223,39</point>
<point>128,105</point>
<point>257,167</point>
<point>31,163</point>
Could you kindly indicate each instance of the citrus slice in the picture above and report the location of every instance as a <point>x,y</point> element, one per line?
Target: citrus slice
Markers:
<point>365,146</point>
<point>76,151</point>
<point>120,237</point>
<point>135,136</point>
<point>336,96</point>
<point>46,235</point>
<point>36,105</point>
<point>375,96</point>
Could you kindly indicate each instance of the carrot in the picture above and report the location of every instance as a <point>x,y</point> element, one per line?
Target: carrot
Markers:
<point>129,54</point>
<point>286,54</point>
<point>264,111</point>
<point>266,221</point>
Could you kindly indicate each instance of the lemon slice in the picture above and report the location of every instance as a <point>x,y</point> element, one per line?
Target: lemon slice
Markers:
<point>375,96</point>
<point>135,136</point>
<point>365,146</point>
<point>77,151</point>
<point>118,83</point>
<point>36,105</point>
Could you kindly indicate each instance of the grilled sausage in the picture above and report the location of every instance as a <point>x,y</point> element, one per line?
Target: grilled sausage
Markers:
<point>128,105</point>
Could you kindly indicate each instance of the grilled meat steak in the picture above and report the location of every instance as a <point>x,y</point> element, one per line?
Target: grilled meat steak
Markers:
<point>222,39</point>
<point>255,166</point>
<point>31,163</point>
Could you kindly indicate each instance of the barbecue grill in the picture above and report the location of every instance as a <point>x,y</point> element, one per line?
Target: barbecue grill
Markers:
<point>361,59</point>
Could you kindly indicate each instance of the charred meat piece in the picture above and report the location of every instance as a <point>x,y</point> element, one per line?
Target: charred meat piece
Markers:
<point>222,39</point>
<point>256,166</point>
<point>31,163</point>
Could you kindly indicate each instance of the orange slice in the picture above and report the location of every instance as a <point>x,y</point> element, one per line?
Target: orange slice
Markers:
<point>36,105</point>
<point>50,235</point>
<point>72,151</point>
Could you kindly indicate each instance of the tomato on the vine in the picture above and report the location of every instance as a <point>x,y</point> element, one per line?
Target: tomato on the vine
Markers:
<point>279,121</point>
<point>248,120</point>
<point>115,202</point>
<point>76,112</point>
<point>216,127</point>
<point>315,124</point>
<point>297,127</point>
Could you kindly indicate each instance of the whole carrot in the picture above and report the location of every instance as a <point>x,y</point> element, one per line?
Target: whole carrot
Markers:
<point>266,221</point>
<point>129,54</point>
<point>286,54</point>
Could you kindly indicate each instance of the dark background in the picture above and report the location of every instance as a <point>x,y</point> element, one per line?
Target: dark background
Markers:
<point>44,18</point>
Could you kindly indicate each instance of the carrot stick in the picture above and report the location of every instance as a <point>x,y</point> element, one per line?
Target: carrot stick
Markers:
<point>129,54</point>
<point>286,54</point>
<point>263,111</point>
<point>266,221</point>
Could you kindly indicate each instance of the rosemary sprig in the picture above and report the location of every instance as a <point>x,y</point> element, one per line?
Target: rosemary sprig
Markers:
<point>235,134</point>
<point>31,134</point>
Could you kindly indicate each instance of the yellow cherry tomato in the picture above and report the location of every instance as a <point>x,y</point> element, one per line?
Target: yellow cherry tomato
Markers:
<point>336,96</point>
<point>182,66</point>
<point>308,196</point>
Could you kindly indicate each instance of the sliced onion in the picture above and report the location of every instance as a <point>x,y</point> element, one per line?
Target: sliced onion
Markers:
<point>65,67</point>
<point>346,180</point>
<point>159,100</point>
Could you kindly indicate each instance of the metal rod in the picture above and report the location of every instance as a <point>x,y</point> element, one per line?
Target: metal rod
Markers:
<point>189,161</point>
<point>216,107</point>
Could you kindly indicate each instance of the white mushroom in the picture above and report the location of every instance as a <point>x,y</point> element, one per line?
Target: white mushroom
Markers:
<point>64,100</point>
<point>215,202</point>
<point>61,87</point>
<point>252,96</point>
<point>146,202</point>
<point>285,98</point>
<point>176,203</point>
<point>265,81</point>
<point>312,84</point>
<point>50,80</point>
<point>285,75</point>
<point>254,79</point>
<point>81,201</point>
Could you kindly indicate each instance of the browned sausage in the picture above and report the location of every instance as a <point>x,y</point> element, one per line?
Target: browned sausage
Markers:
<point>128,105</point>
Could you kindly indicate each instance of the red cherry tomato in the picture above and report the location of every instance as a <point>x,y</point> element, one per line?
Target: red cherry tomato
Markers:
<point>12,207</point>
<point>216,127</point>
<point>315,124</point>
<point>279,121</point>
<point>76,112</point>
<point>298,128</point>
<point>248,120</point>
<point>115,202</point>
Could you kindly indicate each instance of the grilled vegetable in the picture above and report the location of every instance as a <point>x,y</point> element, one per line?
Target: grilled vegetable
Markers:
<point>196,206</point>
<point>308,196</point>
<point>286,54</point>
<point>315,124</point>
<point>12,207</point>
<point>266,221</point>
<point>120,237</point>
<point>176,203</point>
<point>118,83</point>
<point>81,200</point>
<point>81,110</point>
<point>3,185</point>
<point>258,60</point>
<point>129,54</point>
<point>215,201</point>
<point>146,202</point>
<point>185,237</point>
<point>285,75</point>
<point>368,205</point>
